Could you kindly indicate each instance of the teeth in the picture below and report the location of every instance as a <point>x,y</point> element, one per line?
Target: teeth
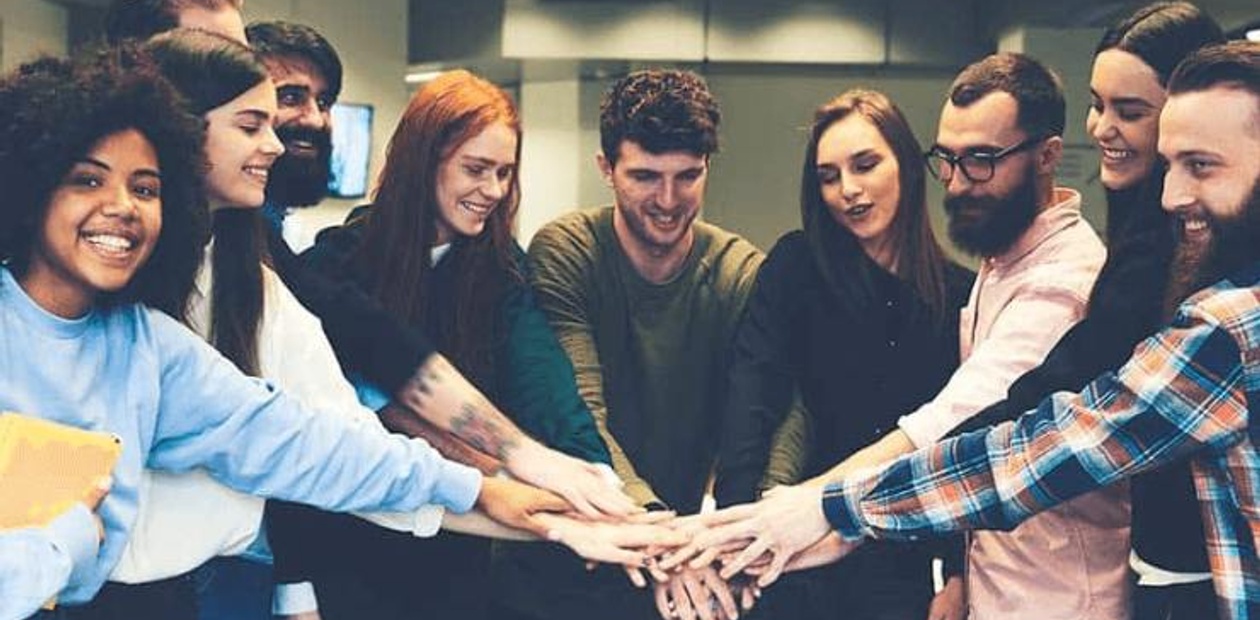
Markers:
<point>663,220</point>
<point>110,242</point>
<point>1195,224</point>
<point>1117,153</point>
<point>858,210</point>
<point>256,171</point>
<point>475,208</point>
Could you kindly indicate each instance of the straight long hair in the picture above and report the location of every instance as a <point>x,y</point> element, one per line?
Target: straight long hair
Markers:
<point>400,228</point>
<point>919,258</point>
<point>210,70</point>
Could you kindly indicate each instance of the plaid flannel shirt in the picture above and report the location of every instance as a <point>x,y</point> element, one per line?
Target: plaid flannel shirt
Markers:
<point>1183,394</point>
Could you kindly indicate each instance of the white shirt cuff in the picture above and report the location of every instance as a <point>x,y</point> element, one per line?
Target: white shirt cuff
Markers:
<point>294,598</point>
<point>422,523</point>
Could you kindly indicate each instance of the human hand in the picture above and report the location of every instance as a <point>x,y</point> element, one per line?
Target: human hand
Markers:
<point>630,543</point>
<point>784,522</point>
<point>694,593</point>
<point>584,485</point>
<point>306,615</point>
<point>518,505</point>
<point>951,602</point>
<point>93,498</point>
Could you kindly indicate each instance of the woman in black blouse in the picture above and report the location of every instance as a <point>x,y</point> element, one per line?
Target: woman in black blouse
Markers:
<point>855,315</point>
<point>1131,67</point>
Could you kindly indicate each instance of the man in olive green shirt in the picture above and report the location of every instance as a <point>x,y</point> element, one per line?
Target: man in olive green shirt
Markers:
<point>645,300</point>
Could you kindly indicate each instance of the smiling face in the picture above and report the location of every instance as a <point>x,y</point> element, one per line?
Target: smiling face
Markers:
<point>472,181</point>
<point>304,125</point>
<point>102,223</point>
<point>858,177</point>
<point>241,146</point>
<point>657,196</point>
<point>1213,159</point>
<point>1125,100</point>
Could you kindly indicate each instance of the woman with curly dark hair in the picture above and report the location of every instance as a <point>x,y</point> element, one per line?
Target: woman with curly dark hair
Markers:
<point>103,164</point>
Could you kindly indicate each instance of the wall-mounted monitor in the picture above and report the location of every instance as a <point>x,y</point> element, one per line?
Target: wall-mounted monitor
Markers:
<point>351,150</point>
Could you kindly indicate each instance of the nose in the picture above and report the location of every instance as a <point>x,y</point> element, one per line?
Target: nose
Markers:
<point>849,190</point>
<point>119,202</point>
<point>271,145</point>
<point>1104,125</point>
<point>496,188</point>
<point>312,116</point>
<point>957,183</point>
<point>1177,194</point>
<point>667,195</point>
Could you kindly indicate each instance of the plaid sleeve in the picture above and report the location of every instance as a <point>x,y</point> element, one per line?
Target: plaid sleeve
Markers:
<point>1181,392</point>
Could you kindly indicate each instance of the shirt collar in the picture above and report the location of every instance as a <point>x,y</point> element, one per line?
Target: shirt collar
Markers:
<point>1065,212</point>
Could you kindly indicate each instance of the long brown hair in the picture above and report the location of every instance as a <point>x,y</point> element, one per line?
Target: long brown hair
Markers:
<point>209,70</point>
<point>400,228</point>
<point>919,258</point>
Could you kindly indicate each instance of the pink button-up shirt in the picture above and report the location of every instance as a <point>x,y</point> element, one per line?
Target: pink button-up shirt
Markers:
<point>1069,563</point>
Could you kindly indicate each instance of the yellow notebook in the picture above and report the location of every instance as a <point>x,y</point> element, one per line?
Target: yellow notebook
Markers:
<point>46,467</point>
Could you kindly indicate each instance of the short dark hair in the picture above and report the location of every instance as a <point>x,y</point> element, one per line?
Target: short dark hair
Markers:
<point>280,39</point>
<point>52,112</point>
<point>1235,64</point>
<point>1036,89</point>
<point>661,111</point>
<point>141,19</point>
<point>1162,34</point>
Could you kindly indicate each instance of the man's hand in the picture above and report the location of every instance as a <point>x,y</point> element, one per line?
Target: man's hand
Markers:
<point>951,602</point>
<point>785,522</point>
<point>583,484</point>
<point>696,593</point>
<point>518,505</point>
<point>628,543</point>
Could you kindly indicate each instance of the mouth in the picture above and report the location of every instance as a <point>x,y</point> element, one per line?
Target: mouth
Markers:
<point>858,211</point>
<point>1116,156</point>
<point>304,148</point>
<point>1194,226</point>
<point>479,210</point>
<point>258,173</point>
<point>111,244</point>
<point>663,220</point>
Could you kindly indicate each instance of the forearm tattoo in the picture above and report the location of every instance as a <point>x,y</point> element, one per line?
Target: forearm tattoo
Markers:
<point>483,434</point>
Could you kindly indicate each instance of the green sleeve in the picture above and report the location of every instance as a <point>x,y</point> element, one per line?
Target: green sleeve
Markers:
<point>538,387</point>
<point>789,450</point>
<point>561,271</point>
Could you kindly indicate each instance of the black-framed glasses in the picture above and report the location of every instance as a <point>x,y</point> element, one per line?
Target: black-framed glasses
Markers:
<point>977,167</point>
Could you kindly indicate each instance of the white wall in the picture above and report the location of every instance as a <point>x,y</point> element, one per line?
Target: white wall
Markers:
<point>29,28</point>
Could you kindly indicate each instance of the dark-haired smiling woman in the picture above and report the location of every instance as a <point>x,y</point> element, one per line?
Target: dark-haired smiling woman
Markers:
<point>858,314</point>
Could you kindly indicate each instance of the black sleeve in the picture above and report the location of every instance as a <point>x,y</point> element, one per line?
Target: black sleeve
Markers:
<point>366,337</point>
<point>1124,308</point>
<point>761,379</point>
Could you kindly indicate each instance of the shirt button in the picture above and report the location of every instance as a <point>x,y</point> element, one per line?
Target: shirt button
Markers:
<point>892,344</point>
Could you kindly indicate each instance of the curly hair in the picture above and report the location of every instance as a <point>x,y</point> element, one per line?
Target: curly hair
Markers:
<point>661,111</point>
<point>53,111</point>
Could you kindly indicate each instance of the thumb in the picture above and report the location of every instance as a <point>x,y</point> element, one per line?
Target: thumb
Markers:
<point>92,499</point>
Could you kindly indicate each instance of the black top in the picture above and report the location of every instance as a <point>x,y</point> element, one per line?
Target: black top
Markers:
<point>855,375</point>
<point>363,334</point>
<point>1125,306</point>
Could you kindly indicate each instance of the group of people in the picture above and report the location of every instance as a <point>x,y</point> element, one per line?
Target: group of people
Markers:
<point>416,383</point>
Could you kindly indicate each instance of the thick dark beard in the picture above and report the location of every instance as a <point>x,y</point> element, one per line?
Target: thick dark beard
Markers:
<point>1005,219</point>
<point>298,181</point>
<point>1234,244</point>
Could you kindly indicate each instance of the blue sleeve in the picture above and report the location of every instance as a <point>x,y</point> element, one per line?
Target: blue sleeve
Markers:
<point>255,439</point>
<point>37,563</point>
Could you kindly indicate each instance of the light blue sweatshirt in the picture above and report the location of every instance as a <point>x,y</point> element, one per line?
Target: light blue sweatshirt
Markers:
<point>177,405</point>
<point>35,563</point>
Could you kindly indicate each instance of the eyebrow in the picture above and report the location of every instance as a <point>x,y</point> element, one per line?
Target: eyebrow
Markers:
<point>486,160</point>
<point>92,161</point>
<point>260,115</point>
<point>1130,100</point>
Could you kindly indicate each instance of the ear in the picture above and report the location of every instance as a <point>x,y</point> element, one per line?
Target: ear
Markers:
<point>605,168</point>
<point>1050,154</point>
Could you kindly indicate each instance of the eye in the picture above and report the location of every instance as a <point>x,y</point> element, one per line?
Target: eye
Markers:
<point>324,103</point>
<point>147,189</point>
<point>475,169</point>
<point>866,164</point>
<point>84,179</point>
<point>828,175</point>
<point>251,128</point>
<point>643,177</point>
<point>1199,168</point>
<point>1130,115</point>
<point>505,173</point>
<point>1096,104</point>
<point>690,175</point>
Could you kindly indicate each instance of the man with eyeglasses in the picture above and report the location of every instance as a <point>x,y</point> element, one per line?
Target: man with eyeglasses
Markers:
<point>997,147</point>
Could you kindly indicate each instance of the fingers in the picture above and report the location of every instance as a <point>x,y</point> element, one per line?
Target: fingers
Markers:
<point>697,593</point>
<point>682,603</point>
<point>92,499</point>
<point>663,603</point>
<point>635,575</point>
<point>772,574</point>
<point>720,592</point>
<point>745,557</point>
